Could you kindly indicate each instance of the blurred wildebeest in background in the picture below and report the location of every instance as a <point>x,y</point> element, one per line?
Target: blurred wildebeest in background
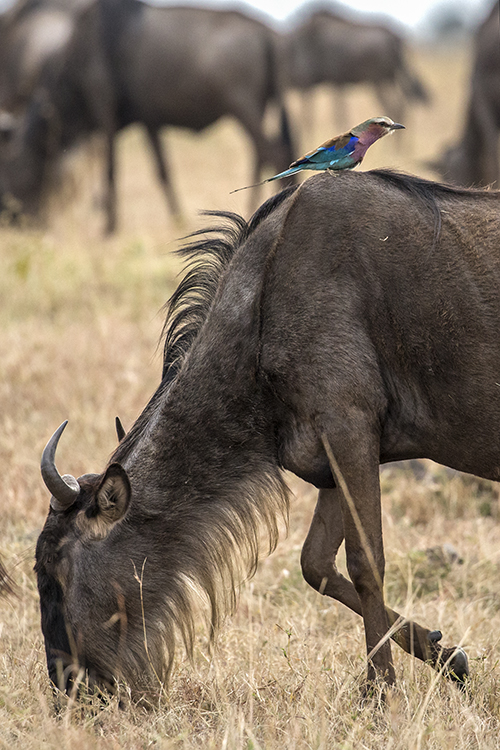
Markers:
<point>31,32</point>
<point>353,321</point>
<point>326,47</point>
<point>474,160</point>
<point>127,62</point>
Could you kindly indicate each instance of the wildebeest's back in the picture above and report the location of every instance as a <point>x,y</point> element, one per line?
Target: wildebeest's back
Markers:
<point>195,61</point>
<point>363,304</point>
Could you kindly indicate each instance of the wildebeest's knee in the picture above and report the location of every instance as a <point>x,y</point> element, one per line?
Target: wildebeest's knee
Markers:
<point>314,570</point>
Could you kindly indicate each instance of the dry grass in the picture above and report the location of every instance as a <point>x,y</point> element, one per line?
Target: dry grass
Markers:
<point>79,330</point>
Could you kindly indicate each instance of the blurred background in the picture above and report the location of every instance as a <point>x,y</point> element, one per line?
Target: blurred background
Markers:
<point>423,18</point>
<point>214,97</point>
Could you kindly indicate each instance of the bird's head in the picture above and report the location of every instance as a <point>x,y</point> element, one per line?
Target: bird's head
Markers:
<point>371,130</point>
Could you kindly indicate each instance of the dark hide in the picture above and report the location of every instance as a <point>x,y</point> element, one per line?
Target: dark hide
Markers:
<point>131,62</point>
<point>474,160</point>
<point>328,48</point>
<point>318,338</point>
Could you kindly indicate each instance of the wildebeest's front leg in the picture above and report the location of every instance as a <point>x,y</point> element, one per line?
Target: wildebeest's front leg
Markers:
<point>163,170</point>
<point>323,541</point>
<point>103,109</point>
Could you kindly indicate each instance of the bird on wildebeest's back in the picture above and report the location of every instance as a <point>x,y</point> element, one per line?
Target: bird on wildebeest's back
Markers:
<point>344,151</point>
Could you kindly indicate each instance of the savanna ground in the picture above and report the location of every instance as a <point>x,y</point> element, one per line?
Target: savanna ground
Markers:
<point>80,323</point>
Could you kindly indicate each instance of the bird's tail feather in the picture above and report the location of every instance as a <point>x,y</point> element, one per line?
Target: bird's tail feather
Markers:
<point>247,187</point>
<point>281,175</point>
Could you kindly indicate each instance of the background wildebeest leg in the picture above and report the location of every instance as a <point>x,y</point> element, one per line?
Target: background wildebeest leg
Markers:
<point>103,110</point>
<point>265,151</point>
<point>110,183</point>
<point>319,553</point>
<point>163,170</point>
<point>261,149</point>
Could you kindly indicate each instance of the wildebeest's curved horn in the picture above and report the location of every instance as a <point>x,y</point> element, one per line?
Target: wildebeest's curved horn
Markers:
<point>64,489</point>
<point>120,431</point>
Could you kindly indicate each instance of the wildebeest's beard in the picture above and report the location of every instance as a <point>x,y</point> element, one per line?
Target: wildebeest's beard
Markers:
<point>57,646</point>
<point>56,554</point>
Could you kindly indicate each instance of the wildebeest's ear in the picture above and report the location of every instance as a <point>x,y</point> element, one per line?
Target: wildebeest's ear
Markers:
<point>113,494</point>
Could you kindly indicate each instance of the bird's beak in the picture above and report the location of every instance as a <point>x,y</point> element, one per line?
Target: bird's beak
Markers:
<point>397,126</point>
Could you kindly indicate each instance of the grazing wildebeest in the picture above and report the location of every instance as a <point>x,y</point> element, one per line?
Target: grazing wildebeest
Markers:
<point>131,62</point>
<point>30,33</point>
<point>353,321</point>
<point>326,47</point>
<point>474,160</point>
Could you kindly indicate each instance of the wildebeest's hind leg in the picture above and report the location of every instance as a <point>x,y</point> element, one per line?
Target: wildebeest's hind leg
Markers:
<point>319,553</point>
<point>163,170</point>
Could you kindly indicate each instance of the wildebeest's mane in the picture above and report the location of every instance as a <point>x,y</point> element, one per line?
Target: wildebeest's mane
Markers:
<point>207,258</point>
<point>209,252</point>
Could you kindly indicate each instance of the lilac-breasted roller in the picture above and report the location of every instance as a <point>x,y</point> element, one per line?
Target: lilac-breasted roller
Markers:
<point>342,152</point>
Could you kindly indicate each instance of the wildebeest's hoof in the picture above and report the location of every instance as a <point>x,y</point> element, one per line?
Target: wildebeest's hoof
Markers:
<point>453,661</point>
<point>435,636</point>
<point>459,666</point>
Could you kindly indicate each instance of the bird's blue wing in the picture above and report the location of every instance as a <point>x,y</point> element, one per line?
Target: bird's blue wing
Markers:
<point>332,150</point>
